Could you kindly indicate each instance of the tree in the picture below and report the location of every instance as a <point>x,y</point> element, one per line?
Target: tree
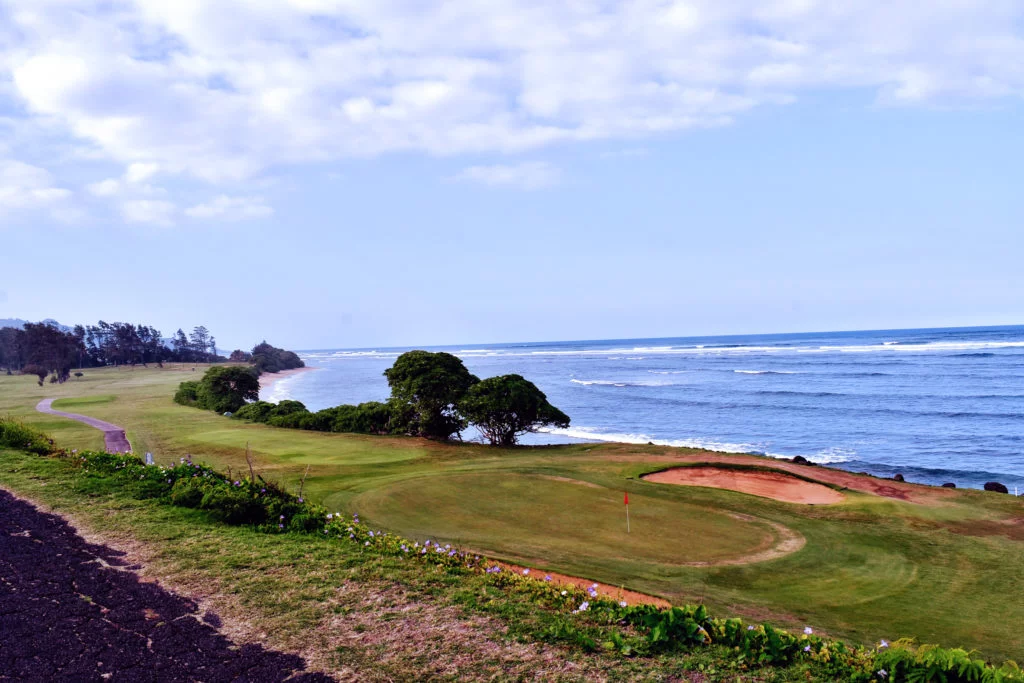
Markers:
<point>11,350</point>
<point>200,339</point>
<point>267,358</point>
<point>426,389</point>
<point>226,389</point>
<point>181,345</point>
<point>240,356</point>
<point>505,407</point>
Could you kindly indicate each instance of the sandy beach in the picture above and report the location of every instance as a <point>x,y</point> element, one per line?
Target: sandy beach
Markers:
<point>267,380</point>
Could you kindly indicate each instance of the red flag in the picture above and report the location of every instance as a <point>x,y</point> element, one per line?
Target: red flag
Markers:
<point>627,498</point>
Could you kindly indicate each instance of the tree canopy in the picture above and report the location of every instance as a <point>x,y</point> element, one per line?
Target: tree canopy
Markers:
<point>222,389</point>
<point>505,407</point>
<point>267,358</point>
<point>426,388</point>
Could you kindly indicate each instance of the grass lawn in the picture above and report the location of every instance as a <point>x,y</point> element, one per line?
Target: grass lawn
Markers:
<point>945,572</point>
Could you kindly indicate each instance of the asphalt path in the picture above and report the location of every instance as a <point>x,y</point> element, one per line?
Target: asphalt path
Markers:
<point>113,436</point>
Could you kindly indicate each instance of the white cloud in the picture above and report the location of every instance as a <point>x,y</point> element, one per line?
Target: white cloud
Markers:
<point>153,211</point>
<point>532,175</point>
<point>105,188</point>
<point>231,208</point>
<point>23,186</point>
<point>221,91</point>
<point>140,172</point>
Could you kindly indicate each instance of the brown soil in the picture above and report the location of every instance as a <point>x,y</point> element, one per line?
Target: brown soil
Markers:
<point>603,590</point>
<point>775,485</point>
<point>914,493</point>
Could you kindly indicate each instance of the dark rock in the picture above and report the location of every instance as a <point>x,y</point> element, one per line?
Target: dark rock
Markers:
<point>995,486</point>
<point>801,460</point>
<point>899,477</point>
<point>949,485</point>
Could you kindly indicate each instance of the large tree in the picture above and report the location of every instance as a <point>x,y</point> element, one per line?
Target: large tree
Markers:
<point>226,389</point>
<point>426,389</point>
<point>505,407</point>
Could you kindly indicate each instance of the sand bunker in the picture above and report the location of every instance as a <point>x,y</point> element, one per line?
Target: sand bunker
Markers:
<point>775,485</point>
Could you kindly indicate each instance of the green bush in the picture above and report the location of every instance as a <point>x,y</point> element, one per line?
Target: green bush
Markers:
<point>15,434</point>
<point>187,394</point>
<point>254,412</point>
<point>234,506</point>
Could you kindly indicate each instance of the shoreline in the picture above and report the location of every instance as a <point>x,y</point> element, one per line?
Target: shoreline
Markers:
<point>268,380</point>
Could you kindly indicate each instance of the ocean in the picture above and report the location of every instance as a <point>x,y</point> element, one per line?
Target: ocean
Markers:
<point>935,405</point>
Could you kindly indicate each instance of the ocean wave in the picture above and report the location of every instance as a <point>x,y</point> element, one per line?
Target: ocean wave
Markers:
<point>767,372</point>
<point>621,383</point>
<point>823,457</point>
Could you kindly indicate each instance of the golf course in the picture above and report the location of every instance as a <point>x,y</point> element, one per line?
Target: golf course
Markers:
<point>852,556</point>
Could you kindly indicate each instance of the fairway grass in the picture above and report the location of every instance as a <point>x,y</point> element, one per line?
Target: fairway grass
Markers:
<point>947,572</point>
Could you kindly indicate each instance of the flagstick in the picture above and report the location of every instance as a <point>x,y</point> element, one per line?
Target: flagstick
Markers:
<point>627,519</point>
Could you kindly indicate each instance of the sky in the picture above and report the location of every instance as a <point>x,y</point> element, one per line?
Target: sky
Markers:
<point>359,173</point>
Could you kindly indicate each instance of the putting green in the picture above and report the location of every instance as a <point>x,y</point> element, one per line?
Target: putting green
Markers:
<point>535,517</point>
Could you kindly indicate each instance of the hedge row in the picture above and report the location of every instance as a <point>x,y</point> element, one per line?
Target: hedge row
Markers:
<point>596,621</point>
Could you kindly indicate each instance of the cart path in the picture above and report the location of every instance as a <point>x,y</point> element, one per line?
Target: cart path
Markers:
<point>72,610</point>
<point>113,436</point>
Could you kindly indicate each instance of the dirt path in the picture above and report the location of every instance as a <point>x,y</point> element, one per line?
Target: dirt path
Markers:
<point>113,436</point>
<point>70,610</point>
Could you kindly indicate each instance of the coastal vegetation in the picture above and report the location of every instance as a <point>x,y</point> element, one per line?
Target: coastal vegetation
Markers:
<point>223,389</point>
<point>267,358</point>
<point>47,349</point>
<point>433,395</point>
<point>870,566</point>
<point>641,638</point>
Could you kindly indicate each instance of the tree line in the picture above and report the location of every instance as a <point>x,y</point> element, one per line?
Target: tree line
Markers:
<point>433,395</point>
<point>44,349</point>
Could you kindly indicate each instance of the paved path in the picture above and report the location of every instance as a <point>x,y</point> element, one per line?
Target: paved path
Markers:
<point>113,436</point>
<point>73,611</point>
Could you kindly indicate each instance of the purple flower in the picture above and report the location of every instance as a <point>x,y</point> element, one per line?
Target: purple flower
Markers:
<point>584,606</point>
<point>750,628</point>
<point>547,577</point>
<point>882,673</point>
<point>371,534</point>
<point>622,603</point>
<point>807,648</point>
<point>808,630</point>
<point>282,516</point>
<point>526,572</point>
<point>280,526</point>
<point>263,490</point>
<point>883,644</point>
<point>330,516</point>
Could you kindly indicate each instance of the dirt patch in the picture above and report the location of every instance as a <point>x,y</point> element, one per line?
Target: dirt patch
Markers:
<point>912,493</point>
<point>72,610</point>
<point>1011,528</point>
<point>774,485</point>
<point>603,590</point>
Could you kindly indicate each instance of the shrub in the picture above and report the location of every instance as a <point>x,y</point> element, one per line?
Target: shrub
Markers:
<point>233,506</point>
<point>254,412</point>
<point>187,394</point>
<point>15,434</point>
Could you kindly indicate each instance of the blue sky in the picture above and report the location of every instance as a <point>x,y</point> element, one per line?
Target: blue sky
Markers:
<point>339,173</point>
